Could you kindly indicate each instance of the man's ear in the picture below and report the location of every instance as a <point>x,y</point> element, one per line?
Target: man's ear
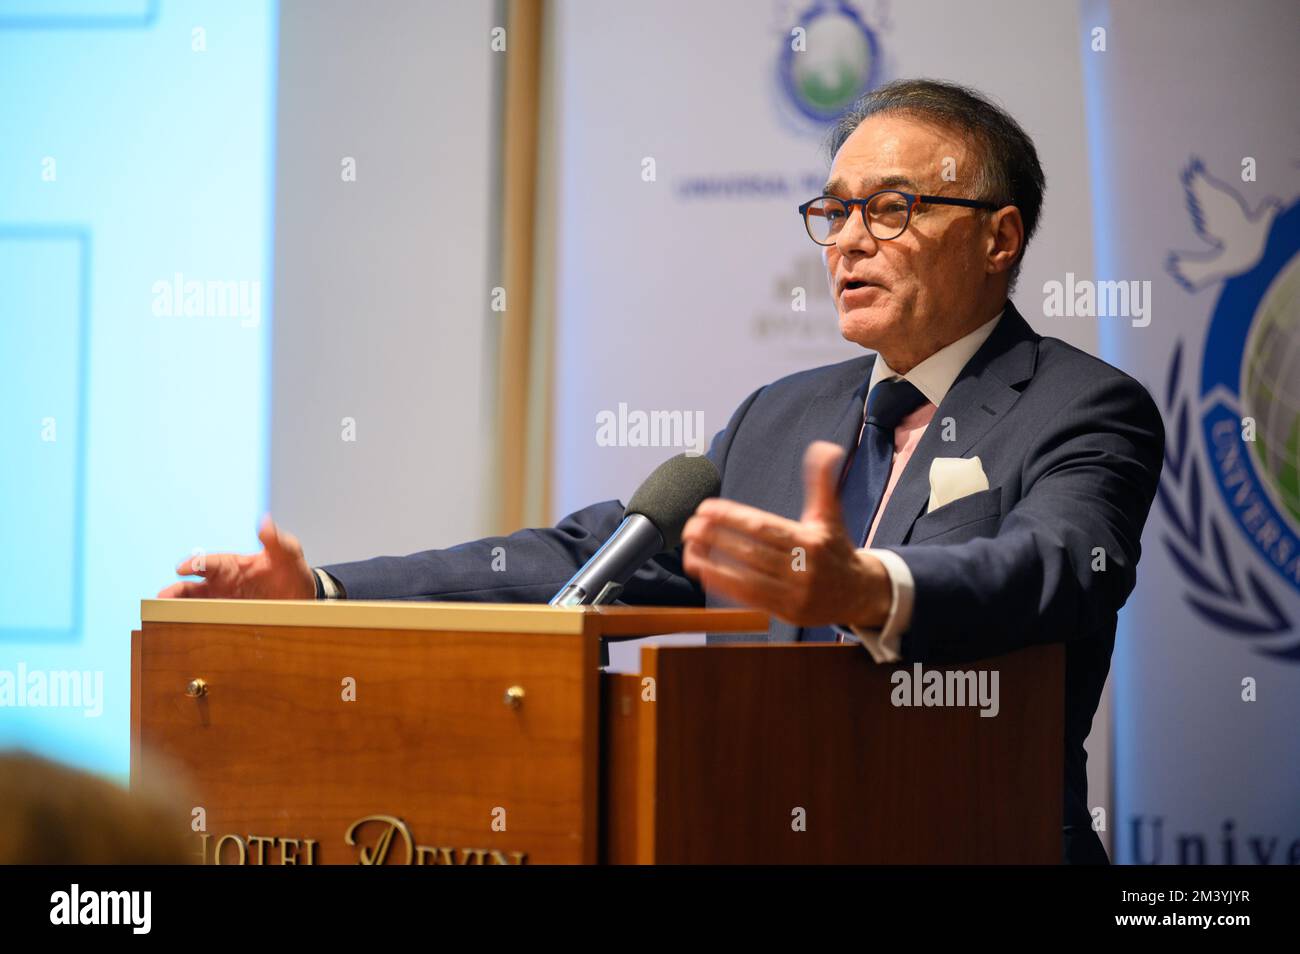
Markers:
<point>1006,239</point>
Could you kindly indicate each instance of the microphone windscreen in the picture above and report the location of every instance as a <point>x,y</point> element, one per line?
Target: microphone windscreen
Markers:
<point>670,495</point>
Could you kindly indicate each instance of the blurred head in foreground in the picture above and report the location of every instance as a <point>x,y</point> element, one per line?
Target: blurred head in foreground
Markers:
<point>52,814</point>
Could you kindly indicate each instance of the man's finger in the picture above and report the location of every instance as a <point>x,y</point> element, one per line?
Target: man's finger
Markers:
<point>207,566</point>
<point>268,533</point>
<point>822,464</point>
<point>271,536</point>
<point>741,585</point>
<point>743,548</point>
<point>769,527</point>
<point>188,589</point>
<point>199,565</point>
<point>277,542</point>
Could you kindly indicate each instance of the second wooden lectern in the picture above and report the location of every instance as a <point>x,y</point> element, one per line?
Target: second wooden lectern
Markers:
<point>454,733</point>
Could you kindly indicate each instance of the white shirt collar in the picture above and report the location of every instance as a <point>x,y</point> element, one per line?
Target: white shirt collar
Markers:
<point>934,376</point>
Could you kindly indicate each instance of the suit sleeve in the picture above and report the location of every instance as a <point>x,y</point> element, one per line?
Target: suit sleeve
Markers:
<point>529,566</point>
<point>1090,475</point>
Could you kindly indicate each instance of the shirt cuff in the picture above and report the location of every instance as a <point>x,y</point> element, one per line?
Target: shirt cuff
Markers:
<point>327,588</point>
<point>885,644</point>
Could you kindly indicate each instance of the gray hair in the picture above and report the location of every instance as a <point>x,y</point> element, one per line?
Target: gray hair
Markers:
<point>1007,168</point>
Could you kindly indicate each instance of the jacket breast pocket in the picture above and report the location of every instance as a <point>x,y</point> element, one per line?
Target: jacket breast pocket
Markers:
<point>975,515</point>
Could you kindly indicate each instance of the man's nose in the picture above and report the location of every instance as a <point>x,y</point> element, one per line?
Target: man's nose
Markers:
<point>854,236</point>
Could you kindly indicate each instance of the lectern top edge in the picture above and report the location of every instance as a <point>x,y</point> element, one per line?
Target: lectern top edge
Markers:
<point>452,616</point>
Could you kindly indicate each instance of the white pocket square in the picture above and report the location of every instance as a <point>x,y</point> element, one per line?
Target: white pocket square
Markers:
<point>952,478</point>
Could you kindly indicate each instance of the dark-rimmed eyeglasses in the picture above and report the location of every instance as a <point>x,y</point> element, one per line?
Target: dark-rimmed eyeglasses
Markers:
<point>886,213</point>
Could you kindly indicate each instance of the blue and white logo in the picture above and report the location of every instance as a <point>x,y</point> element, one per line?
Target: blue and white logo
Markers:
<point>829,58</point>
<point>1247,406</point>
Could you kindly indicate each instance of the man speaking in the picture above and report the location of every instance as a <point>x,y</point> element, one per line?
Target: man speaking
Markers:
<point>969,489</point>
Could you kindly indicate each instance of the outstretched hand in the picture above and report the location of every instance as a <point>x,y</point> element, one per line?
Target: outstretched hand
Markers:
<point>808,572</point>
<point>279,572</point>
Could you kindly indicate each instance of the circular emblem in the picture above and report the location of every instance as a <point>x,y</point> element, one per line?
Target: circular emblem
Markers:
<point>835,61</point>
<point>1250,388</point>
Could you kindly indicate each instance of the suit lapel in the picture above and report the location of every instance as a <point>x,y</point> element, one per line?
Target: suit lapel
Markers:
<point>983,392</point>
<point>828,417</point>
<point>834,414</point>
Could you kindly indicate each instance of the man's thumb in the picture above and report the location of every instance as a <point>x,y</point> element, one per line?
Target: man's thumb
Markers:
<point>269,533</point>
<point>822,463</point>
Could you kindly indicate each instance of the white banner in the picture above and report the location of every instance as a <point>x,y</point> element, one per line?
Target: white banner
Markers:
<point>1192,114</point>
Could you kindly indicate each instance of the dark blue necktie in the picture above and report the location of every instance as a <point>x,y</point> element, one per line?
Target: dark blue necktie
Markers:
<point>863,485</point>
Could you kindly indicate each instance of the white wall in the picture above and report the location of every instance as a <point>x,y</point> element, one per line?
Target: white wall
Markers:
<point>381,292</point>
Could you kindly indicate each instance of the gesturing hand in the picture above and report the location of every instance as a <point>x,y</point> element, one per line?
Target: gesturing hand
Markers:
<point>807,572</point>
<point>279,572</point>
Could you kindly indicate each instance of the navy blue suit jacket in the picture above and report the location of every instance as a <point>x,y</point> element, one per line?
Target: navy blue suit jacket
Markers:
<point>1072,448</point>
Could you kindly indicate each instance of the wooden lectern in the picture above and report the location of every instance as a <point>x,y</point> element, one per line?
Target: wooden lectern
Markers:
<point>456,733</point>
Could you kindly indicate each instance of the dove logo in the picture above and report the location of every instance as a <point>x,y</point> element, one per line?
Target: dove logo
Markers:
<point>1248,404</point>
<point>1219,215</point>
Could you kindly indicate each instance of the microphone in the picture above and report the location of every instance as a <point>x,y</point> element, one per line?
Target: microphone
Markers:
<point>652,523</point>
